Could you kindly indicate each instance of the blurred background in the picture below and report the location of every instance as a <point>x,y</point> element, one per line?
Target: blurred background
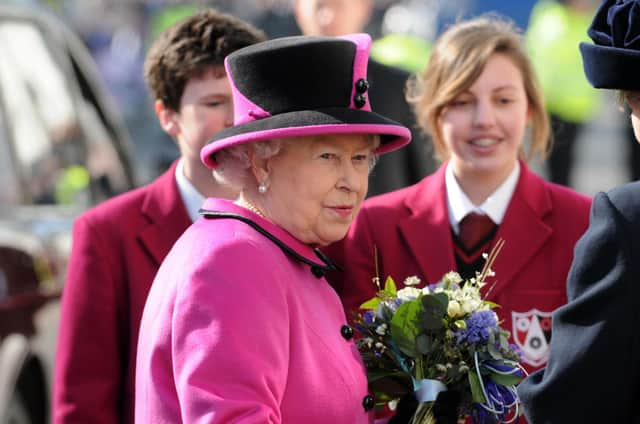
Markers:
<point>117,33</point>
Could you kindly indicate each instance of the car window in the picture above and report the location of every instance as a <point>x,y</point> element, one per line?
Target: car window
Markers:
<point>59,150</point>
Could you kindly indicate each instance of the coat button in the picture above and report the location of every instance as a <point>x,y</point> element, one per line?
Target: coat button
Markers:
<point>347,332</point>
<point>368,402</point>
<point>362,85</point>
<point>360,100</point>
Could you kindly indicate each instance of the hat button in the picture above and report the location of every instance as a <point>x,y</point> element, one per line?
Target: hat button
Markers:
<point>368,402</point>
<point>347,332</point>
<point>362,85</point>
<point>360,100</point>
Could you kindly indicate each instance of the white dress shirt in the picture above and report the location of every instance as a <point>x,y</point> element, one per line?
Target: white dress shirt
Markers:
<point>494,206</point>
<point>191,197</point>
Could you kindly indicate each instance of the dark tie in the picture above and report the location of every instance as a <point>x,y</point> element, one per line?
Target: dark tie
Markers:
<point>474,228</point>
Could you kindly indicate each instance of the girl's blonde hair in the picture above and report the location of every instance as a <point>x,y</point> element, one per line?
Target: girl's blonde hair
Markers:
<point>457,60</point>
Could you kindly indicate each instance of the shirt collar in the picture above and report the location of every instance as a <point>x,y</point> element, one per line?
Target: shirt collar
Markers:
<point>191,197</point>
<point>494,206</point>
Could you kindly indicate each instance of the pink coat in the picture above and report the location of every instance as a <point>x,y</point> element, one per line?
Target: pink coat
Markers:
<point>237,330</point>
<point>411,231</point>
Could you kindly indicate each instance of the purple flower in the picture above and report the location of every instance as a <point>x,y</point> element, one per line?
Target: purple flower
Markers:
<point>515,349</point>
<point>369,317</point>
<point>478,326</point>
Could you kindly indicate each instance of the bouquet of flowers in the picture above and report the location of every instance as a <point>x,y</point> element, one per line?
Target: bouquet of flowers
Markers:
<point>443,337</point>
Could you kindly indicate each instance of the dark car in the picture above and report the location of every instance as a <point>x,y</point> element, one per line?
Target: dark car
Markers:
<point>63,148</point>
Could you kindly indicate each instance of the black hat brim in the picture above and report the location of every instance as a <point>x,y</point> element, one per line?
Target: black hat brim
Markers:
<point>392,134</point>
<point>611,67</point>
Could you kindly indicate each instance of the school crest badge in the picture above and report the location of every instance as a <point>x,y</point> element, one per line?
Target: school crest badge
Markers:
<point>532,333</point>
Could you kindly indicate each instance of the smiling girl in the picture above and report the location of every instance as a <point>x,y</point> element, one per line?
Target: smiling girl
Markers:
<point>480,101</point>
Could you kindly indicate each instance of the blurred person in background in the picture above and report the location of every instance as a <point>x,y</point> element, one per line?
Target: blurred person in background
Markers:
<point>240,325</point>
<point>387,86</point>
<point>118,245</point>
<point>477,97</point>
<point>593,372</point>
<point>555,29</point>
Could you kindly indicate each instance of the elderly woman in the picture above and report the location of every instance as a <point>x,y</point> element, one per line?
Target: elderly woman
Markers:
<point>240,324</point>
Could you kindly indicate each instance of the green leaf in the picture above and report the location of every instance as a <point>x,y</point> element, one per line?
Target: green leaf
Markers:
<point>375,375</point>
<point>491,305</point>
<point>404,327</point>
<point>371,304</point>
<point>476,388</point>
<point>390,286</point>
<point>505,380</point>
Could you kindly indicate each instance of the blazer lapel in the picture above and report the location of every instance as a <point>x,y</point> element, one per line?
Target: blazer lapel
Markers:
<point>168,218</point>
<point>523,229</point>
<point>426,230</point>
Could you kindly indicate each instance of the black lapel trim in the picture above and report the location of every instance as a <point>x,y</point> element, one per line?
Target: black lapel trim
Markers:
<point>317,268</point>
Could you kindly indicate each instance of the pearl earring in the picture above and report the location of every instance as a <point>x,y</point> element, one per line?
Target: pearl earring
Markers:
<point>262,188</point>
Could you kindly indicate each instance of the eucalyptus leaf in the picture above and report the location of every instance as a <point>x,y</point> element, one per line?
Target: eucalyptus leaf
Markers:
<point>504,342</point>
<point>431,321</point>
<point>442,298</point>
<point>434,309</point>
<point>424,344</point>
<point>494,351</point>
<point>404,327</point>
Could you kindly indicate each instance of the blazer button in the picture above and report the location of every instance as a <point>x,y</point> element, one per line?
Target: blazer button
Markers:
<point>347,332</point>
<point>368,402</point>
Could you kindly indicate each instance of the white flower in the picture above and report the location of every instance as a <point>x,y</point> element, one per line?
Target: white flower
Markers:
<point>453,309</point>
<point>412,281</point>
<point>381,329</point>
<point>408,293</point>
<point>470,305</point>
<point>392,404</point>
<point>452,277</point>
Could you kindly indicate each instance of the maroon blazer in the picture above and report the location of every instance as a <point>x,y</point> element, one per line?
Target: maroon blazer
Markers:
<point>117,249</point>
<point>411,231</point>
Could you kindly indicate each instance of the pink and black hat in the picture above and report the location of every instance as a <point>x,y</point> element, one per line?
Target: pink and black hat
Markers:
<point>299,86</point>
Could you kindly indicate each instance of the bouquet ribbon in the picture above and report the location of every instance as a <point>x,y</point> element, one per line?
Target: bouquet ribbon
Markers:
<point>428,390</point>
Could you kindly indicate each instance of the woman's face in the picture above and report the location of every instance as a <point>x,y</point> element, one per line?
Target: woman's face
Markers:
<point>484,126</point>
<point>316,185</point>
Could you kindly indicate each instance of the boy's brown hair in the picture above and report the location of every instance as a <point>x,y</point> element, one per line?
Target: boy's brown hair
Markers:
<point>191,47</point>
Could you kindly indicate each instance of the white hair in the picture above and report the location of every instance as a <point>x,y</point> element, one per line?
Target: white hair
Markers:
<point>234,167</point>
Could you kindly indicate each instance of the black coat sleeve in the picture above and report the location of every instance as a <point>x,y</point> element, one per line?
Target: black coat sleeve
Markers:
<point>592,374</point>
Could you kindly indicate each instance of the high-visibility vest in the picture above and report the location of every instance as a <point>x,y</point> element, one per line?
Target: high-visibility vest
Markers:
<point>553,35</point>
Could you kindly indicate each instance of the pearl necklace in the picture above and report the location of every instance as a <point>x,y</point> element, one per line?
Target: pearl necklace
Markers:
<point>248,205</point>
